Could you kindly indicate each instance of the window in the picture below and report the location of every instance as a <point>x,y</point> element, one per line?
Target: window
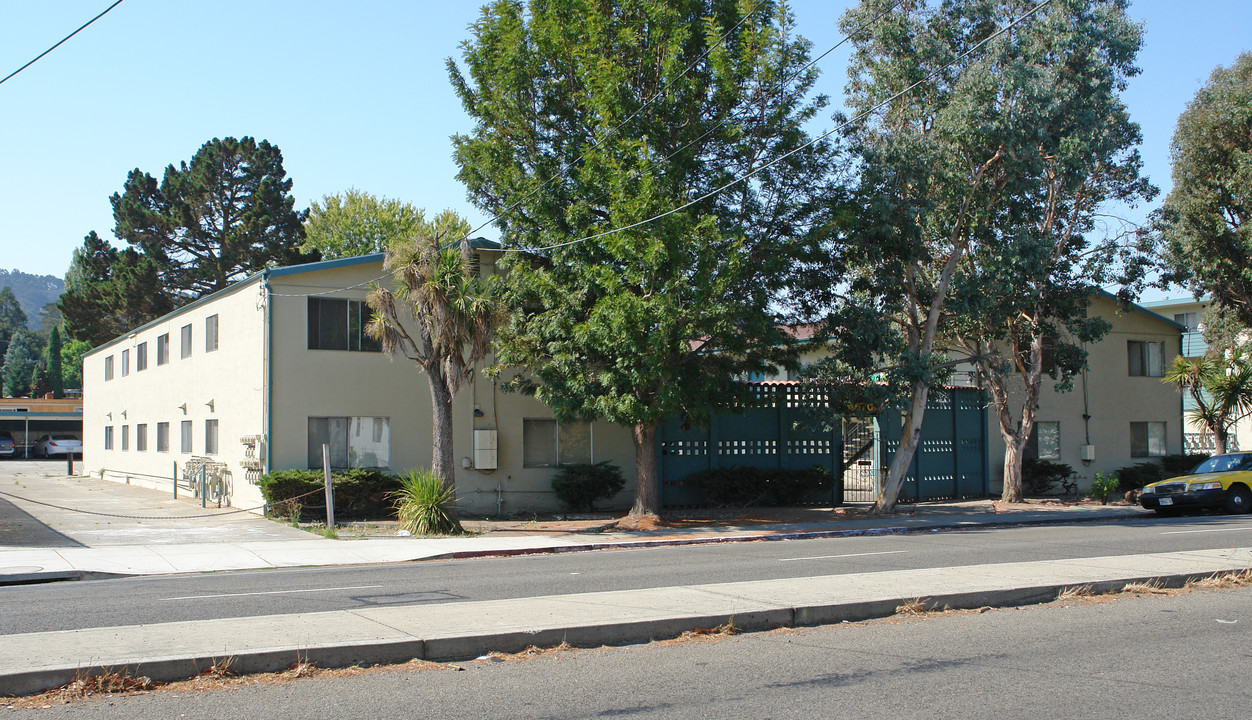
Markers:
<point>210,437</point>
<point>354,442</point>
<point>1189,320</point>
<point>125,363</point>
<point>210,333</point>
<point>1147,439</point>
<point>125,437</point>
<point>163,349</point>
<point>1045,441</point>
<point>340,325</point>
<point>185,338</point>
<point>1146,359</point>
<point>163,437</point>
<point>108,368</point>
<point>141,437</point>
<point>184,442</point>
<point>141,357</point>
<point>546,443</point>
<point>108,437</point>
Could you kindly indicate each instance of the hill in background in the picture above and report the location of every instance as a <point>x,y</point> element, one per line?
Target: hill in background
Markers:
<point>32,291</point>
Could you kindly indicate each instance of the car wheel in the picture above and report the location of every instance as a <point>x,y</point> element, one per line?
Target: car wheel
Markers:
<point>1238,499</point>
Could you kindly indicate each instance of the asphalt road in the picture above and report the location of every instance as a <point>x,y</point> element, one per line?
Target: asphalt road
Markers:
<point>1156,657</point>
<point>131,601</point>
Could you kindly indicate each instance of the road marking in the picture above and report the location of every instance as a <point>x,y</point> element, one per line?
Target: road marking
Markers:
<point>275,592</point>
<point>1192,532</point>
<point>830,557</point>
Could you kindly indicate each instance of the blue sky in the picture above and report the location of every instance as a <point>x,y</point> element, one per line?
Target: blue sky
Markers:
<point>355,95</point>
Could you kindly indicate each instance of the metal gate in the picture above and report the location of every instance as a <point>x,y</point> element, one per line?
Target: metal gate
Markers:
<point>792,425</point>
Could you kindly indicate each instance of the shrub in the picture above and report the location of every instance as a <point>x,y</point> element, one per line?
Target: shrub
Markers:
<point>360,494</point>
<point>423,504</point>
<point>1139,474</point>
<point>1175,465</point>
<point>1103,486</point>
<point>580,485</point>
<point>741,486</point>
<point>1039,477</point>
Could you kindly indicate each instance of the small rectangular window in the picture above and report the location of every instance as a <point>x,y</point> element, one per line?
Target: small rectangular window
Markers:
<point>1147,439</point>
<point>125,437</point>
<point>1189,320</point>
<point>185,339</point>
<point>210,437</point>
<point>125,363</point>
<point>108,437</point>
<point>108,368</point>
<point>141,357</point>
<point>1048,440</point>
<point>546,443</point>
<point>1145,359</point>
<point>163,437</point>
<point>210,333</point>
<point>184,443</point>
<point>336,324</point>
<point>354,442</point>
<point>163,349</point>
<point>141,437</point>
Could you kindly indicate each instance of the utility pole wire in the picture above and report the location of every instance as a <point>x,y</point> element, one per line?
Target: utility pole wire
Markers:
<point>67,37</point>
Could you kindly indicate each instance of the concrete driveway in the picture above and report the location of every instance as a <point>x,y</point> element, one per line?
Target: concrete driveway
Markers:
<point>90,512</point>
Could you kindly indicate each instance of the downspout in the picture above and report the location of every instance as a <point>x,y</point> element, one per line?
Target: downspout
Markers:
<point>266,416</point>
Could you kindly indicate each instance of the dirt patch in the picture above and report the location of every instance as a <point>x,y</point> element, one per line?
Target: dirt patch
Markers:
<point>1049,503</point>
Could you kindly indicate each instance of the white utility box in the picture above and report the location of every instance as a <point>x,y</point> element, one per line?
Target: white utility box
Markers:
<point>1087,452</point>
<point>485,450</point>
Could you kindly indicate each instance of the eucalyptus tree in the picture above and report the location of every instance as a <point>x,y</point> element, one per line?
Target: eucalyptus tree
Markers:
<point>988,133</point>
<point>648,168</point>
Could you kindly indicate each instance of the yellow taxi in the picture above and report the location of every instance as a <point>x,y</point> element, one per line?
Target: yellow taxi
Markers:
<point>1222,481</point>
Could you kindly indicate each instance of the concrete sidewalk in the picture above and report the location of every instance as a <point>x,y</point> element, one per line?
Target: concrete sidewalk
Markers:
<point>450,631</point>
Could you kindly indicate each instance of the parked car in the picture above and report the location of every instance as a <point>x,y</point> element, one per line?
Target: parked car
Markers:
<point>7,448</point>
<point>1222,481</point>
<point>58,444</point>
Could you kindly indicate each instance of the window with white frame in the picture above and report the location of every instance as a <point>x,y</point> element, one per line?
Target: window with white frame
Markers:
<point>1048,440</point>
<point>108,437</point>
<point>108,368</point>
<point>338,324</point>
<point>354,442</point>
<point>125,363</point>
<point>184,442</point>
<point>547,443</point>
<point>141,437</point>
<point>1147,439</point>
<point>163,349</point>
<point>163,437</point>
<point>141,357</point>
<point>125,437</point>
<point>1145,359</point>
<point>210,437</point>
<point>185,339</point>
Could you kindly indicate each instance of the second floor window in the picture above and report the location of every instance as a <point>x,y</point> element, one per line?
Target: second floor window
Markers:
<point>336,324</point>
<point>125,363</point>
<point>163,349</point>
<point>1145,359</point>
<point>108,368</point>
<point>185,338</point>
<point>210,333</point>
<point>141,357</point>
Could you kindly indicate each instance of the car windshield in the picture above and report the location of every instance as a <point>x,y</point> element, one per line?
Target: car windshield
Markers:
<point>1224,463</point>
<point>64,437</point>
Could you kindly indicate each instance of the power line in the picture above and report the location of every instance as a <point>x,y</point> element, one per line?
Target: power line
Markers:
<point>788,154</point>
<point>67,37</point>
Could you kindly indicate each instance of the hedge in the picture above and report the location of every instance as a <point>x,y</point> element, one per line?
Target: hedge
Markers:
<point>359,494</point>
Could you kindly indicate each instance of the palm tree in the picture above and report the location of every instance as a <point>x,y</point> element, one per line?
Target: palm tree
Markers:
<point>1220,387</point>
<point>450,320</point>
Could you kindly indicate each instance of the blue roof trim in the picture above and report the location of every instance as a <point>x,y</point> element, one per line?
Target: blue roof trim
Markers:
<point>326,265</point>
<point>1139,308</point>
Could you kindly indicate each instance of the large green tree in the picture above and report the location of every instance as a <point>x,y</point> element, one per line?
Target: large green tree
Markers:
<point>606,140</point>
<point>12,318</point>
<point>109,291</point>
<point>52,363</point>
<point>988,134</point>
<point>72,352</point>
<point>20,361</point>
<point>1205,216</point>
<point>358,223</point>
<point>440,314</point>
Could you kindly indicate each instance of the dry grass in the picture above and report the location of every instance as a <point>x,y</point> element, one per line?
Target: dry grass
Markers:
<point>1074,593</point>
<point>911,607</point>
<point>1223,581</point>
<point>1153,587</point>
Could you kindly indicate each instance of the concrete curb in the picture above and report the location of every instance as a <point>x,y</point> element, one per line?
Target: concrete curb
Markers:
<point>469,646</point>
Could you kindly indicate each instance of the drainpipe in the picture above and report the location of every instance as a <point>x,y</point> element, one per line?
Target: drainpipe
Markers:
<point>266,415</point>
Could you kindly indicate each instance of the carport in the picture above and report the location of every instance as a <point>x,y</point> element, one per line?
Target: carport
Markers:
<point>27,421</point>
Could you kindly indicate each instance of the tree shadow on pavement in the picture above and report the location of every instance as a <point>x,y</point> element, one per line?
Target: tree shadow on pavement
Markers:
<point>19,529</point>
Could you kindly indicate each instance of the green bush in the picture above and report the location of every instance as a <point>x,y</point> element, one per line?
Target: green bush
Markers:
<point>1139,474</point>
<point>580,485</point>
<point>1175,465</point>
<point>424,504</point>
<point>359,494</point>
<point>1103,486</point>
<point>742,486</point>
<point>1040,477</point>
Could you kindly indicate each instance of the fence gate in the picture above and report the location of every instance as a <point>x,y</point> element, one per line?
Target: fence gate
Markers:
<point>791,425</point>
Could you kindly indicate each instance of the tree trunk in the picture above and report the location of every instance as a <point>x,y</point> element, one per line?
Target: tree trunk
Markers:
<point>1220,434</point>
<point>647,478</point>
<point>1014,453</point>
<point>910,438</point>
<point>442,462</point>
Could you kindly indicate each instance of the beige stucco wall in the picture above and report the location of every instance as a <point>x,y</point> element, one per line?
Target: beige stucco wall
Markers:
<point>231,377</point>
